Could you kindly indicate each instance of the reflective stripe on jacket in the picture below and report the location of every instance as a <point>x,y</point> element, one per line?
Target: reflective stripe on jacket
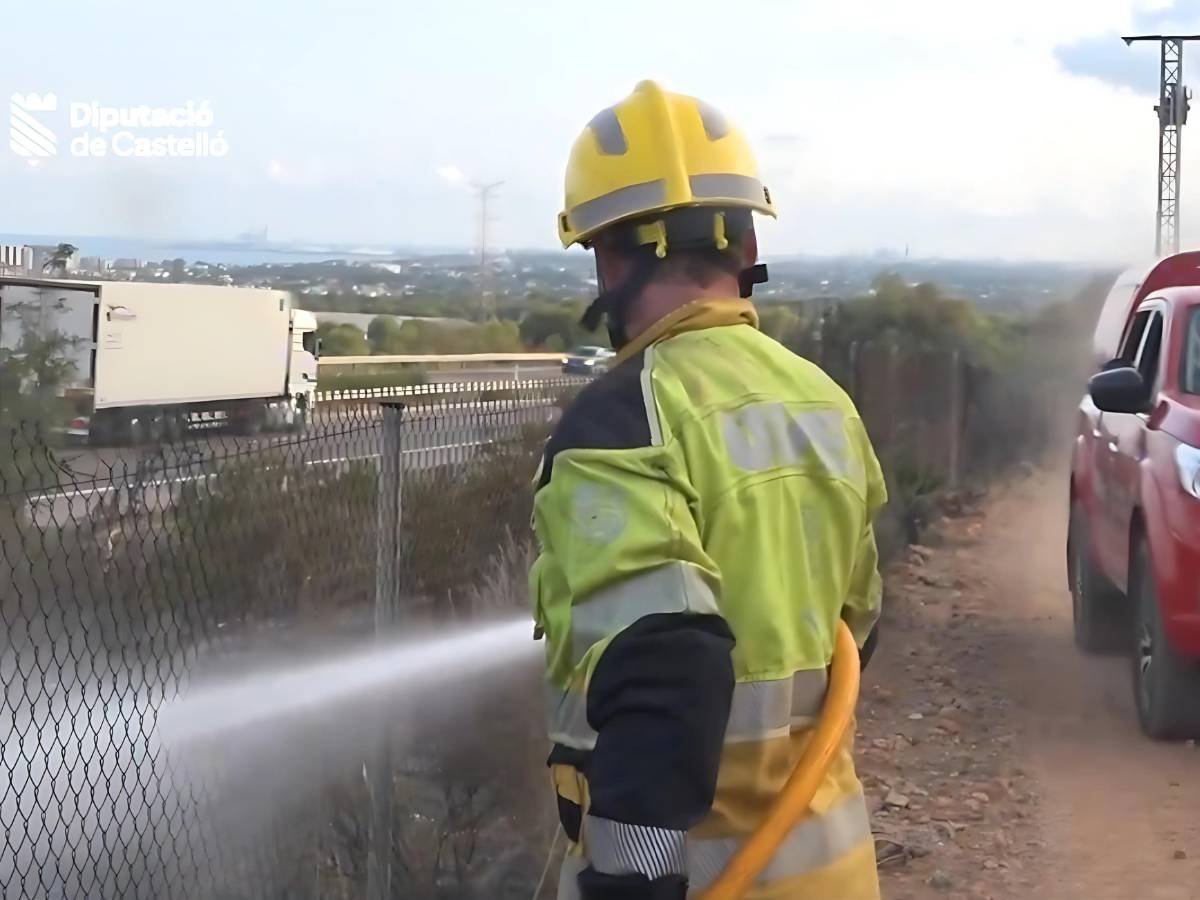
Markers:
<point>704,515</point>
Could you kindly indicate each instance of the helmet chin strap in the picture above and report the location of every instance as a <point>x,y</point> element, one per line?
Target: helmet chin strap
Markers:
<point>612,304</point>
<point>749,277</point>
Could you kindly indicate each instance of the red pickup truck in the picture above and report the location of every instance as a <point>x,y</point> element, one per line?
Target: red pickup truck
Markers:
<point>1133,546</point>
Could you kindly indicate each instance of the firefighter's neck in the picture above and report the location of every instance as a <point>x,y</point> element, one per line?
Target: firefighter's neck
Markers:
<point>661,298</point>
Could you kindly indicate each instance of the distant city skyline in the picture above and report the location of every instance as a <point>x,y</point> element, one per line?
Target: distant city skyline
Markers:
<point>233,252</point>
<point>1027,136</point>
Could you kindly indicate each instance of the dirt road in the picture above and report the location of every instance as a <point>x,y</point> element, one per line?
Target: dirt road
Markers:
<point>1001,763</point>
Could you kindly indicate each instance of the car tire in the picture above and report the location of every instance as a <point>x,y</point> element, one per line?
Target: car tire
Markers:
<point>1166,686</point>
<point>1099,612</point>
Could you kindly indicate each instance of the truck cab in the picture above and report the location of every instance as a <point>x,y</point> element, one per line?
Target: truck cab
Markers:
<point>1133,547</point>
<point>302,366</point>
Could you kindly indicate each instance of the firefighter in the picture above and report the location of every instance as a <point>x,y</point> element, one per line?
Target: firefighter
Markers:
<point>704,517</point>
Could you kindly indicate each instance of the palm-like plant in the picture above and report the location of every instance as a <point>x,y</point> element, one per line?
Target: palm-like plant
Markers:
<point>57,263</point>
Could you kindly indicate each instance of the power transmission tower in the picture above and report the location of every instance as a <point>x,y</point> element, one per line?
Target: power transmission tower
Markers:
<point>1172,112</point>
<point>484,193</point>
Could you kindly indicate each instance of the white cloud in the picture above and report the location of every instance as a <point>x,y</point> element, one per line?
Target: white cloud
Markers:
<point>451,174</point>
<point>297,174</point>
<point>985,148</point>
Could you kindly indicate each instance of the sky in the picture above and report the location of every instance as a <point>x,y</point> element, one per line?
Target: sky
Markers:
<point>958,129</point>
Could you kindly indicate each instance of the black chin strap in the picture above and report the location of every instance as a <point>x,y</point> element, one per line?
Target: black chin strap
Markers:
<point>611,305</point>
<point>748,278</point>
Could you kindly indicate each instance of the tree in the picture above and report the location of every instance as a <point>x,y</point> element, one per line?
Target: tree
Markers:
<point>386,335</point>
<point>342,340</point>
<point>559,320</point>
<point>499,336</point>
<point>778,321</point>
<point>916,319</point>
<point>33,374</point>
<point>59,259</point>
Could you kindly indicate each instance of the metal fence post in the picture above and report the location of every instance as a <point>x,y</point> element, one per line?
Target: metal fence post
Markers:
<point>957,419</point>
<point>852,379</point>
<point>388,559</point>
<point>894,392</point>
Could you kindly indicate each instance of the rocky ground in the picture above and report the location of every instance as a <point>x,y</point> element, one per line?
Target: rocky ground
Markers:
<point>954,812</point>
<point>999,762</point>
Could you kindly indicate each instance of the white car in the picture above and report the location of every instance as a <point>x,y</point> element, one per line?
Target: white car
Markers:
<point>587,361</point>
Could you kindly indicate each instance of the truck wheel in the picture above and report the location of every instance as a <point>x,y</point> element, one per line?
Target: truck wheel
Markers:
<point>176,425</point>
<point>101,429</point>
<point>1166,686</point>
<point>156,425</point>
<point>135,430</point>
<point>1098,609</point>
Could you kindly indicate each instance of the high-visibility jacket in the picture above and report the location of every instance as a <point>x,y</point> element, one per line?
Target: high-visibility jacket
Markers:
<point>704,515</point>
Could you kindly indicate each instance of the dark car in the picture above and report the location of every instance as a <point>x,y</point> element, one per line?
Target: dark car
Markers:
<point>587,361</point>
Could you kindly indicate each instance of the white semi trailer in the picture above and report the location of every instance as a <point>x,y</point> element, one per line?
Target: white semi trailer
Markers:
<point>150,361</point>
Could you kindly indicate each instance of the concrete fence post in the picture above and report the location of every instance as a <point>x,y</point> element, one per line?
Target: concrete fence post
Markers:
<point>389,558</point>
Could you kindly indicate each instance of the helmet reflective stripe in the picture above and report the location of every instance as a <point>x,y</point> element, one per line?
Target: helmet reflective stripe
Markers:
<point>607,128</point>
<point>716,126</point>
<point>594,215</point>
<point>728,187</point>
<point>629,201</point>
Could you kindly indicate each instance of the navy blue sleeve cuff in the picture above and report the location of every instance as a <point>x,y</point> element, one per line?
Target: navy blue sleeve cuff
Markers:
<point>659,701</point>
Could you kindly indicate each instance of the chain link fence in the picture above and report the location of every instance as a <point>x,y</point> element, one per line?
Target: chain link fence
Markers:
<point>129,574</point>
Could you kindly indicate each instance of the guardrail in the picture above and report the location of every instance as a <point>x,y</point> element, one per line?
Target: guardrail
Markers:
<point>438,389</point>
<point>462,360</point>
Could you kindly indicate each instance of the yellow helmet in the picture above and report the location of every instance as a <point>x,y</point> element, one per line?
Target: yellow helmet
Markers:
<point>656,151</point>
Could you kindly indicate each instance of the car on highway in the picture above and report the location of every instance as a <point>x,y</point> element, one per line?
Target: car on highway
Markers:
<point>1133,545</point>
<point>587,361</point>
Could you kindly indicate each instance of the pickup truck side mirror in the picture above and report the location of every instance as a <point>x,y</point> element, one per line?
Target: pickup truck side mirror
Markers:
<point>317,354</point>
<point>1120,390</point>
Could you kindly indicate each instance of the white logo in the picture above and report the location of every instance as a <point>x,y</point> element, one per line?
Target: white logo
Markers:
<point>27,137</point>
<point>93,129</point>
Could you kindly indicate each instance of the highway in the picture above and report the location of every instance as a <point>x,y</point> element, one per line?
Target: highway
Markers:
<point>151,477</point>
<point>515,372</point>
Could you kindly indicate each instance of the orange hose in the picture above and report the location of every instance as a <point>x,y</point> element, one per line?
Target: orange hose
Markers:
<point>793,801</point>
